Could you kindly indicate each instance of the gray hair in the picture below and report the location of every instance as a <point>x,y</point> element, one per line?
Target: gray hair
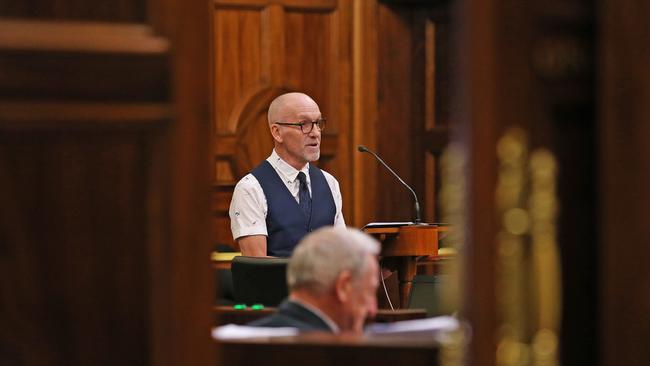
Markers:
<point>322,255</point>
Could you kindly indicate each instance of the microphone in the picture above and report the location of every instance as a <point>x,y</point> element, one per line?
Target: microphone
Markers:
<point>362,148</point>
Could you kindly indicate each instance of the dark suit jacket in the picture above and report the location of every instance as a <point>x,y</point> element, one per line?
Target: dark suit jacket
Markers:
<point>291,314</point>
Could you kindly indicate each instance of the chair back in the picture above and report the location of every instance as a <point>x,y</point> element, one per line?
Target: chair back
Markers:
<point>426,294</point>
<point>259,280</point>
<point>224,291</point>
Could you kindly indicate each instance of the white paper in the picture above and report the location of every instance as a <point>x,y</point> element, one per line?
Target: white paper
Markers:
<point>233,331</point>
<point>414,327</point>
<point>387,224</point>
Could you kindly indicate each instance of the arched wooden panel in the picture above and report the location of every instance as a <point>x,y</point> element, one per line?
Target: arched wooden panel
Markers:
<point>253,142</point>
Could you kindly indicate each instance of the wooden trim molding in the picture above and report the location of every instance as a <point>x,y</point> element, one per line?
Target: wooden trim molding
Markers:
<point>84,37</point>
<point>54,115</point>
<point>287,4</point>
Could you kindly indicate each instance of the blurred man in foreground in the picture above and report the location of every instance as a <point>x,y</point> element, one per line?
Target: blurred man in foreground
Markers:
<point>332,277</point>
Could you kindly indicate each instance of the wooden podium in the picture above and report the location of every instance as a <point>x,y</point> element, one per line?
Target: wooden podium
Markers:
<point>401,245</point>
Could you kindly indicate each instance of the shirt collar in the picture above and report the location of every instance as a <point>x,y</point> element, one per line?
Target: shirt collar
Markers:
<point>330,323</point>
<point>287,171</point>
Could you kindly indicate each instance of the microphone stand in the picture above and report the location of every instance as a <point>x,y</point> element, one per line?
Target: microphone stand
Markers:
<point>418,220</point>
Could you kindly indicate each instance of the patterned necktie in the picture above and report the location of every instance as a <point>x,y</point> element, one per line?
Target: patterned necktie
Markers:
<point>303,195</point>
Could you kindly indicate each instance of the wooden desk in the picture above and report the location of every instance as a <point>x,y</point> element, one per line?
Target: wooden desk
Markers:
<point>223,260</point>
<point>318,349</point>
<point>400,248</point>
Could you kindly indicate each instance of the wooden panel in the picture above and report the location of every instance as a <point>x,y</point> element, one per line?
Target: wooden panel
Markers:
<point>624,180</point>
<point>183,287</point>
<point>563,119</point>
<point>412,58</point>
<point>401,57</point>
<point>535,72</point>
<point>104,225</point>
<point>308,53</point>
<point>434,131</point>
<point>81,61</point>
<point>81,115</point>
<point>220,204</point>
<point>364,124</point>
<point>73,224</point>
<point>238,61</point>
<point>118,11</point>
<point>396,116</point>
<point>83,37</point>
<point>221,231</point>
<point>432,183</point>
<point>287,4</point>
<point>82,77</point>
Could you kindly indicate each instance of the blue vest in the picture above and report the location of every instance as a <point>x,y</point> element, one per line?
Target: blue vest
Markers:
<point>286,224</point>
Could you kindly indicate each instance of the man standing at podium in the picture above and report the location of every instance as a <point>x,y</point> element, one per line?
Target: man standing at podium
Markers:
<point>286,197</point>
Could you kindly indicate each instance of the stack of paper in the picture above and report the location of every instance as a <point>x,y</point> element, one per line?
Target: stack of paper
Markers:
<point>428,326</point>
<point>232,331</point>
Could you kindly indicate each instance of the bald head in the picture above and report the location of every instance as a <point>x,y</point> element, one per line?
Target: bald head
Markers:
<point>290,143</point>
<point>288,106</point>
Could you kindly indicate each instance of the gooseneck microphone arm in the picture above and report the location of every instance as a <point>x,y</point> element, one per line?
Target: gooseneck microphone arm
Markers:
<point>418,220</point>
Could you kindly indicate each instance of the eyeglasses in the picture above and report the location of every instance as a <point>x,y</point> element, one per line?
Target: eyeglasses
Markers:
<point>306,126</point>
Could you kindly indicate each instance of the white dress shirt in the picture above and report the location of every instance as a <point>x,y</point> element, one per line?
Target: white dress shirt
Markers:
<point>248,207</point>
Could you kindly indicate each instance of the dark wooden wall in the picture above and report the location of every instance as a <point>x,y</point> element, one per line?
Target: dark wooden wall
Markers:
<point>624,177</point>
<point>572,77</point>
<point>103,178</point>
<point>403,112</point>
<point>536,72</point>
